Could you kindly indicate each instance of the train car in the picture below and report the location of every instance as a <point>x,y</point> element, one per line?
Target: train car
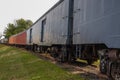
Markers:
<point>21,39</point>
<point>51,28</point>
<point>79,29</point>
<point>96,28</point>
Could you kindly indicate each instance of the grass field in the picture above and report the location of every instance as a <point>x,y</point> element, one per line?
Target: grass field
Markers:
<point>17,64</point>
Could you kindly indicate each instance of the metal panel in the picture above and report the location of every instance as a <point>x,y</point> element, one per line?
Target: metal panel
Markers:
<point>56,24</point>
<point>95,21</point>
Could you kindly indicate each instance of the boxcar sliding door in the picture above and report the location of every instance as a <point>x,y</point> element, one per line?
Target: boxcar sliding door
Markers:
<point>43,30</point>
<point>30,39</point>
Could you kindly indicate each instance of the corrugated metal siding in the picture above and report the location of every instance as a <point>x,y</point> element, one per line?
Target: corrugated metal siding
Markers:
<point>21,38</point>
<point>95,21</point>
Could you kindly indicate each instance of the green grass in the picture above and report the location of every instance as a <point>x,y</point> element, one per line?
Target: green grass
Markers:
<point>17,64</point>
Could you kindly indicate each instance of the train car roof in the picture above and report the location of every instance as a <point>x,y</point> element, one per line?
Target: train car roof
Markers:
<point>60,1</point>
<point>18,33</point>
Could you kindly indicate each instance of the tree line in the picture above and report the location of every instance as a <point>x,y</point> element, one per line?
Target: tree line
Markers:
<point>17,27</point>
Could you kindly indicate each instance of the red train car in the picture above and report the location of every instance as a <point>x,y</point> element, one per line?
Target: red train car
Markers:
<point>12,40</point>
<point>18,39</point>
<point>21,38</point>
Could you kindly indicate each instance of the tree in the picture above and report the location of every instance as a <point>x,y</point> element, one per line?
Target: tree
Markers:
<point>22,25</point>
<point>16,27</point>
<point>10,30</point>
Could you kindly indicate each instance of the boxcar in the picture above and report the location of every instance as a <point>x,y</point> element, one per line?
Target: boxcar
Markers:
<point>19,39</point>
<point>96,28</point>
<point>51,27</point>
<point>79,29</point>
<point>84,24</point>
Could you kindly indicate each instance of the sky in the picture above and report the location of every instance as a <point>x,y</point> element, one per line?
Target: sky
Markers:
<point>11,10</point>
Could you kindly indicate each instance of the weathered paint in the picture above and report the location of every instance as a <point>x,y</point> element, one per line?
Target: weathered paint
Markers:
<point>55,31</point>
<point>21,38</point>
<point>96,22</point>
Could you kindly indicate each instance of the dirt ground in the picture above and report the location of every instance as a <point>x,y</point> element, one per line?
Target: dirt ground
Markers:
<point>88,72</point>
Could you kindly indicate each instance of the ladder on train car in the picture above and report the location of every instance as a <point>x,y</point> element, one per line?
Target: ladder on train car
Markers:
<point>78,51</point>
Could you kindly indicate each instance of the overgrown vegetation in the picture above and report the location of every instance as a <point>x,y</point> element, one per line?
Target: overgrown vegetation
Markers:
<point>16,27</point>
<point>17,64</point>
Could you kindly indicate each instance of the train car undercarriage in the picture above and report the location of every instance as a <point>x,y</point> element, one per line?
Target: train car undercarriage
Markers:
<point>110,63</point>
<point>67,53</point>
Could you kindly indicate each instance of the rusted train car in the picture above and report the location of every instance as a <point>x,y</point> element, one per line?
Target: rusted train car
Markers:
<point>19,39</point>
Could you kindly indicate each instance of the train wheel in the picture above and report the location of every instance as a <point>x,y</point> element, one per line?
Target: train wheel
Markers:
<point>103,67</point>
<point>115,71</point>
